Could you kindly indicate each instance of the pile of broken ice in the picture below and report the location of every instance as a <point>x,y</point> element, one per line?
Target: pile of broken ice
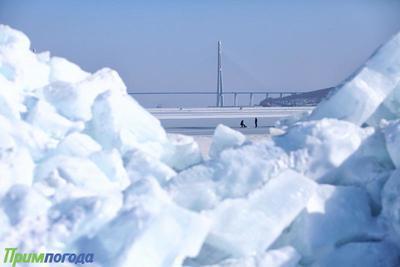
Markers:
<point>85,169</point>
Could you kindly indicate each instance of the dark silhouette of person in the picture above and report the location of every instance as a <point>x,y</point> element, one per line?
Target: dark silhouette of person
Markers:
<point>256,122</point>
<point>242,125</point>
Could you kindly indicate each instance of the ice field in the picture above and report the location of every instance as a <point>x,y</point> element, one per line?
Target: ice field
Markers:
<point>202,121</point>
<point>85,169</point>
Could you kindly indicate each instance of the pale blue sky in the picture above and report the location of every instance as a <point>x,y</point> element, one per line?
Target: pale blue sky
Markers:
<point>171,45</point>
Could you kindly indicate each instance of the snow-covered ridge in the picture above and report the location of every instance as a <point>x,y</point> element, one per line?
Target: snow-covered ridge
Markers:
<point>85,169</point>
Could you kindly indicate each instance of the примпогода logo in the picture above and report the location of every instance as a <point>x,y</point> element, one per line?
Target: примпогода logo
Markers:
<point>13,257</point>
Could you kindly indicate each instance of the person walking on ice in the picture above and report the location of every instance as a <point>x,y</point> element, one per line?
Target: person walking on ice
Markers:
<point>256,122</point>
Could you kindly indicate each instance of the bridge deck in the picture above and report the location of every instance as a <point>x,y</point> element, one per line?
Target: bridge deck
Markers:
<point>227,112</point>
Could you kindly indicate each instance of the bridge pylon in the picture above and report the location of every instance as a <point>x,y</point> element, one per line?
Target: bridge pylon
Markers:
<point>220,98</point>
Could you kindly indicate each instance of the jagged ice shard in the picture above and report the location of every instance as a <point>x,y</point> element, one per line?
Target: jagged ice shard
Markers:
<point>360,95</point>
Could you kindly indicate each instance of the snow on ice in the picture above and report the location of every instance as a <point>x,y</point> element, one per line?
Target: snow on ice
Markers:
<point>84,168</point>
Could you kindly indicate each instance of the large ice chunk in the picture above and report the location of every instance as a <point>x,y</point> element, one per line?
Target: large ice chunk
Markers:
<point>388,110</point>
<point>318,147</point>
<point>391,203</point>
<point>141,165</point>
<point>334,215</point>
<point>225,137</point>
<point>65,176</point>
<point>10,99</point>
<point>110,162</point>
<point>77,145</point>
<point>246,226</point>
<point>243,170</point>
<point>120,122</point>
<point>75,100</point>
<point>195,188</point>
<point>65,71</point>
<point>11,38</point>
<point>238,172</point>
<point>150,231</point>
<point>360,96</point>
<point>369,167</point>
<point>27,137</point>
<point>18,64</point>
<point>6,178</point>
<point>16,163</point>
<point>4,223</point>
<point>37,225</point>
<point>26,210</point>
<point>45,117</point>
<point>283,257</point>
<point>183,152</point>
<point>23,202</point>
<point>365,254</point>
<point>392,137</point>
<point>73,218</point>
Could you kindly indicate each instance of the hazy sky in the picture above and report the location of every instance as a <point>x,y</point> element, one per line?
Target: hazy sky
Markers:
<point>169,45</point>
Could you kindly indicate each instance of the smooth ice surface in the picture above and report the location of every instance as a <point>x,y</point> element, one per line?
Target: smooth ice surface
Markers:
<point>246,226</point>
<point>358,98</point>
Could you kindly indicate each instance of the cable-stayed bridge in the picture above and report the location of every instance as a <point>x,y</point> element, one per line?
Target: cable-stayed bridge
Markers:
<point>221,96</point>
<point>230,107</point>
